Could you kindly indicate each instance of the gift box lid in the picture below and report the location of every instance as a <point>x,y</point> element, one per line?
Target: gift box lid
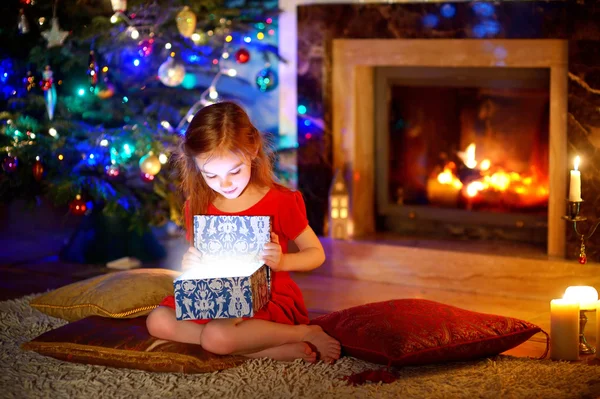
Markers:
<point>231,246</point>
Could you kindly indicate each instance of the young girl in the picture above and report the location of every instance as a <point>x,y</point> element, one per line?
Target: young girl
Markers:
<point>226,171</point>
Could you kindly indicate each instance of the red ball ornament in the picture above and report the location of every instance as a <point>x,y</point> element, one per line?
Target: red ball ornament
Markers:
<point>46,83</point>
<point>582,259</point>
<point>9,164</point>
<point>147,177</point>
<point>78,206</point>
<point>242,56</point>
<point>38,170</point>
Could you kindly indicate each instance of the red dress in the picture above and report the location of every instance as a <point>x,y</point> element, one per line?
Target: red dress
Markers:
<point>288,216</point>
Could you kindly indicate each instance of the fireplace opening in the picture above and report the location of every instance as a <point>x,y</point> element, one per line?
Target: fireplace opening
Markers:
<point>463,152</point>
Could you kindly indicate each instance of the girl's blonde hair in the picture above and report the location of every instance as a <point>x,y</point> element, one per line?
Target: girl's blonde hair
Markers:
<point>217,129</point>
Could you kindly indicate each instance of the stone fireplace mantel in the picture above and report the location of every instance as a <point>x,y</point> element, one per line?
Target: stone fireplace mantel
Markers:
<point>353,113</point>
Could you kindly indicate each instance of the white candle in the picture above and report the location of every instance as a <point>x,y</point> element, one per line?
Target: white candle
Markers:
<point>575,186</point>
<point>585,295</point>
<point>564,329</point>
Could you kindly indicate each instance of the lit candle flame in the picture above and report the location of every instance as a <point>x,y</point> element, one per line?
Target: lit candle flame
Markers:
<point>576,162</point>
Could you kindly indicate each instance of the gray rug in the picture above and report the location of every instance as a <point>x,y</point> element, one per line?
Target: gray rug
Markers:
<point>30,375</point>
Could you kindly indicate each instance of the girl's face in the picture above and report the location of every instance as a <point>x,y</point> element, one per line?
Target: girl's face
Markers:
<point>227,173</point>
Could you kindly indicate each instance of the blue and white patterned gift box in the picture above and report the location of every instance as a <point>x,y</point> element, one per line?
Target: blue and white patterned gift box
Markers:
<point>231,281</point>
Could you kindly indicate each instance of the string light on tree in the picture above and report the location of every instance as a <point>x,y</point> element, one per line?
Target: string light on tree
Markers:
<point>213,93</point>
<point>105,87</point>
<point>146,47</point>
<point>113,171</point>
<point>9,164</point>
<point>199,37</point>
<point>146,177</point>
<point>134,33</point>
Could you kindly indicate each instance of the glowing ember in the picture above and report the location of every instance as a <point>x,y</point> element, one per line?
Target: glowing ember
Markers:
<point>492,184</point>
<point>447,177</point>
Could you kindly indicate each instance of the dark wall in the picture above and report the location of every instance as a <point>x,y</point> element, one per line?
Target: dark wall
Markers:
<point>578,21</point>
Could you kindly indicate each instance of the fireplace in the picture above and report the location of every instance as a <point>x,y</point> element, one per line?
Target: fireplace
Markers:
<point>466,152</point>
<point>499,72</point>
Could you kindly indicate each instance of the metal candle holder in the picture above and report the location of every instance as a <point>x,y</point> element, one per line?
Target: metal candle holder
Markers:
<point>573,209</point>
<point>584,347</point>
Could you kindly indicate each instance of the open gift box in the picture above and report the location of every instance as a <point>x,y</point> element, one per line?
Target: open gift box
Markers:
<point>231,281</point>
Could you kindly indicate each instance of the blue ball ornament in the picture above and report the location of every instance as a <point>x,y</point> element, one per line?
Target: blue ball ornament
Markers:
<point>266,79</point>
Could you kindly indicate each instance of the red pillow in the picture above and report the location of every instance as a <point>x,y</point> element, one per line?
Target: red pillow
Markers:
<point>406,332</point>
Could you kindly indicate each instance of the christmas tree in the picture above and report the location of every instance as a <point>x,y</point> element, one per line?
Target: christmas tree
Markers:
<point>96,93</point>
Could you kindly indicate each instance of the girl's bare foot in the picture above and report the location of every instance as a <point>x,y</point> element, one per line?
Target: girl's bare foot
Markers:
<point>329,348</point>
<point>288,353</point>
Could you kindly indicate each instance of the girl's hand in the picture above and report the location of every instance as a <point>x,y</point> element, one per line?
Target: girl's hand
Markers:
<point>191,258</point>
<point>271,254</point>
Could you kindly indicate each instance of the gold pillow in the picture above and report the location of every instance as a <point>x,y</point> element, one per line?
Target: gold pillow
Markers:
<point>126,343</point>
<point>119,295</point>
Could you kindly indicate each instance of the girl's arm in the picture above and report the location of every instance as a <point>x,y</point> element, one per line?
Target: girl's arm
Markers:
<point>310,255</point>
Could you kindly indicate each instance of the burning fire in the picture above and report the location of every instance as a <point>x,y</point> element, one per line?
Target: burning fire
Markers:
<point>492,184</point>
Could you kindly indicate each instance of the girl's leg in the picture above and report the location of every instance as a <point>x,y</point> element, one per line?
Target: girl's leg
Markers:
<point>288,352</point>
<point>251,337</point>
<point>161,323</point>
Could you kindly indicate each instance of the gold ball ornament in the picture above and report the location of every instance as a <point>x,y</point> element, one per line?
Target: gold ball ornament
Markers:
<point>150,164</point>
<point>186,22</point>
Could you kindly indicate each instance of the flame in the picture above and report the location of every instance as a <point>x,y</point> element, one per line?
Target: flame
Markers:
<point>447,176</point>
<point>526,188</point>
<point>576,163</point>
<point>475,187</point>
<point>468,156</point>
